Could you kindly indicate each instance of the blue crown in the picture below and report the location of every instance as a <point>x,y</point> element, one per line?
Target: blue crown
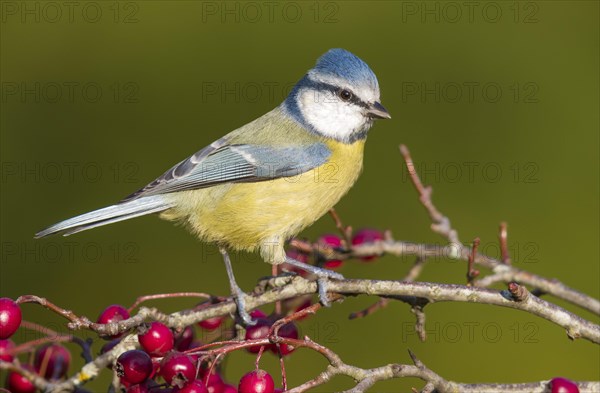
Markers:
<point>343,64</point>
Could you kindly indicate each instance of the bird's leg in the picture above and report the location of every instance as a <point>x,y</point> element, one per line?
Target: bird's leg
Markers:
<point>275,273</point>
<point>236,292</point>
<point>322,276</point>
<point>318,271</point>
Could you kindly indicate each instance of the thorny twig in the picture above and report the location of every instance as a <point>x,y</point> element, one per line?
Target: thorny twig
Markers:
<point>345,231</point>
<point>575,326</point>
<point>503,238</point>
<point>471,272</point>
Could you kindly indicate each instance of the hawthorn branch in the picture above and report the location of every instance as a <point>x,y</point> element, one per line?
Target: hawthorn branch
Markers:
<point>285,287</point>
<point>146,298</point>
<point>500,271</point>
<point>51,336</point>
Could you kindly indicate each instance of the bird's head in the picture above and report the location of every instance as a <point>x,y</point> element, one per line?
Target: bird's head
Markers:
<point>338,98</point>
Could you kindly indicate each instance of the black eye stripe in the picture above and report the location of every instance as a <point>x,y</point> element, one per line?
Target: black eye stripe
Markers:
<point>322,86</point>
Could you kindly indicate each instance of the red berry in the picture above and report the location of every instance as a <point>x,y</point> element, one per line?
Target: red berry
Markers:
<point>5,346</point>
<point>331,241</point>
<point>134,366</point>
<point>196,386</point>
<point>257,381</point>
<point>112,314</point>
<point>17,383</point>
<point>289,330</point>
<point>52,361</point>
<point>214,383</point>
<point>563,385</point>
<point>10,317</point>
<point>184,339</point>
<point>278,390</point>
<point>229,389</point>
<point>156,338</point>
<point>258,331</point>
<point>211,324</point>
<point>367,235</point>
<point>256,314</point>
<point>333,263</point>
<point>177,369</point>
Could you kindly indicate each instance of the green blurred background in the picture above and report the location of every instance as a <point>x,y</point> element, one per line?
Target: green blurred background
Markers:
<point>498,102</point>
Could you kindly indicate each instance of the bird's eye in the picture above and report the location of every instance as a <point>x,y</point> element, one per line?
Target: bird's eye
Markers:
<point>345,95</point>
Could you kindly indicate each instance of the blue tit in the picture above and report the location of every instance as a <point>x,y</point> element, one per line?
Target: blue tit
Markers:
<point>266,181</point>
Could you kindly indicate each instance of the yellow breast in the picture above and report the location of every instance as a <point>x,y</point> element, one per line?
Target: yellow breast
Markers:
<point>245,216</point>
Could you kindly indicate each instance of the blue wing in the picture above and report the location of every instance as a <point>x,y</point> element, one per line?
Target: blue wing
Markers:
<point>227,163</point>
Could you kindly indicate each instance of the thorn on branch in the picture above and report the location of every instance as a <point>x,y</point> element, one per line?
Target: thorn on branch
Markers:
<point>381,303</point>
<point>417,310</point>
<point>345,231</point>
<point>503,237</point>
<point>471,272</point>
<point>439,223</point>
<point>416,360</point>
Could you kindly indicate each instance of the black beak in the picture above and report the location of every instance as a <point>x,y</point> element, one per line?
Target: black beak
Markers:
<point>377,111</point>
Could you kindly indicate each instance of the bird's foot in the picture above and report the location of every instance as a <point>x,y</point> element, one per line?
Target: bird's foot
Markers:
<point>322,285</point>
<point>240,302</point>
<point>323,277</point>
<point>236,292</point>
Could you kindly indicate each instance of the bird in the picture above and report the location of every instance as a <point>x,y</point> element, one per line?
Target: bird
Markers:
<point>264,182</point>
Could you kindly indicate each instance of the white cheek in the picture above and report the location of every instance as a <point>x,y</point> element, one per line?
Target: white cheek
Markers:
<point>329,115</point>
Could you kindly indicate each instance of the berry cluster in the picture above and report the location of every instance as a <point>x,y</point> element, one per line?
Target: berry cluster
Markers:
<point>167,361</point>
<point>334,242</point>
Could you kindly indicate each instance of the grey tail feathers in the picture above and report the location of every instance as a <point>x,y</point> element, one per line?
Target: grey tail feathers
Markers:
<point>108,215</point>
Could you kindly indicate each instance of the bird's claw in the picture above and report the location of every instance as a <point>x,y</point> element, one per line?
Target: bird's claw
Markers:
<point>322,285</point>
<point>323,275</point>
<point>241,309</point>
<point>318,271</point>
